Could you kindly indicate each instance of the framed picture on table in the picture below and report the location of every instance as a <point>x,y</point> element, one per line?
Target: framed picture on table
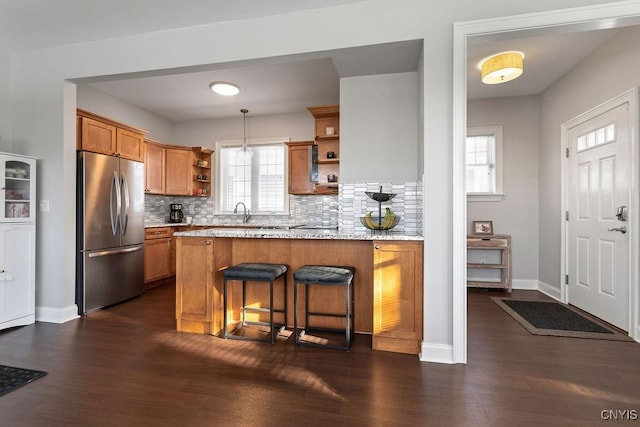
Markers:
<point>483,227</point>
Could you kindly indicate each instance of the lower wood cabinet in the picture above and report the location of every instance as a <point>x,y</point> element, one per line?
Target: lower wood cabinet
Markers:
<point>157,253</point>
<point>199,284</point>
<point>397,296</point>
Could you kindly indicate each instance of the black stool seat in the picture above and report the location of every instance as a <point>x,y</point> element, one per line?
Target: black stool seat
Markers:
<point>255,272</point>
<point>323,274</point>
<point>259,272</point>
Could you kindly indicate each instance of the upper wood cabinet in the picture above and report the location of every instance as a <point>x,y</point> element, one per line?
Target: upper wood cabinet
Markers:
<point>179,177</point>
<point>154,167</point>
<point>105,136</point>
<point>397,296</point>
<point>300,163</point>
<point>201,171</point>
<point>327,136</point>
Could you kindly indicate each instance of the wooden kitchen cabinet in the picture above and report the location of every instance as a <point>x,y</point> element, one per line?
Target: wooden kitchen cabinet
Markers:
<point>154,167</point>
<point>157,253</point>
<point>179,168</point>
<point>199,284</point>
<point>327,137</point>
<point>299,153</point>
<point>397,296</point>
<point>105,136</point>
<point>202,171</point>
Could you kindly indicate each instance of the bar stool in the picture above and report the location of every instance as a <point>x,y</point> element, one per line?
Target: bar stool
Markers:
<point>323,275</point>
<point>248,272</point>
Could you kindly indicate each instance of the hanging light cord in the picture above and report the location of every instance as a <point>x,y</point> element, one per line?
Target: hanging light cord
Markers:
<point>244,112</point>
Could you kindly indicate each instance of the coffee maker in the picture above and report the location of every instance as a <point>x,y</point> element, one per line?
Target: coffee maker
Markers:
<point>176,213</point>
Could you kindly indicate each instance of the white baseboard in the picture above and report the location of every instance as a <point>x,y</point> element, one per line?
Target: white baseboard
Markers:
<point>25,320</point>
<point>549,290</point>
<point>524,284</point>
<point>56,315</point>
<point>437,353</point>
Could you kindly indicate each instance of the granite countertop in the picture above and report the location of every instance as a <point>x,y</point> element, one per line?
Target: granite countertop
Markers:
<point>293,233</point>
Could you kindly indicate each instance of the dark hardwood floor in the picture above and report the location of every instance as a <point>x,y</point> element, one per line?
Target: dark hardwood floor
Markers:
<point>126,366</point>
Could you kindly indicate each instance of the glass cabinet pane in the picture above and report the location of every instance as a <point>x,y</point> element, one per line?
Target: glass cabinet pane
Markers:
<point>17,189</point>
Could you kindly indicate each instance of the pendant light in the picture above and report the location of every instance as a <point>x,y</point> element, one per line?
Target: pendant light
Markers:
<point>245,153</point>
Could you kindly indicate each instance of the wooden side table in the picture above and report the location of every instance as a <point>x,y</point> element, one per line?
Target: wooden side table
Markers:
<point>494,242</point>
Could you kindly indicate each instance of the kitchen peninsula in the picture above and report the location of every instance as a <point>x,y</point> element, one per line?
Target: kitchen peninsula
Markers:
<point>388,278</point>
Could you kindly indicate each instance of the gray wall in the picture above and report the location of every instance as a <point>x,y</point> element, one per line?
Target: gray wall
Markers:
<point>517,214</point>
<point>5,101</point>
<point>378,128</point>
<point>608,72</point>
<point>100,103</point>
<point>297,126</point>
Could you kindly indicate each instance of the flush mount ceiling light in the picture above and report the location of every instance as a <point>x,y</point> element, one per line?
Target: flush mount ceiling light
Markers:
<point>225,88</point>
<point>501,67</point>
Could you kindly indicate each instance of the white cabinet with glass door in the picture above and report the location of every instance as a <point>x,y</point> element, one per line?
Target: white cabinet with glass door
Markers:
<point>17,240</point>
<point>18,188</point>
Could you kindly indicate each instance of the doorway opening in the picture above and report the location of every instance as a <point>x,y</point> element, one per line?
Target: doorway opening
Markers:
<point>562,21</point>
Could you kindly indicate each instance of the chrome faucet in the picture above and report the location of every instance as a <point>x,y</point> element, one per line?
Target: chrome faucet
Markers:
<point>246,215</point>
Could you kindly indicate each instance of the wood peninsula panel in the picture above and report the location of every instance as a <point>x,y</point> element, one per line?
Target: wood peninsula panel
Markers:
<point>397,300</point>
<point>199,283</point>
<point>387,284</point>
<point>298,252</point>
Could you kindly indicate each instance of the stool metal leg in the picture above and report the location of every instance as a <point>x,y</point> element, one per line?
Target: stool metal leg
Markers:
<point>347,291</point>
<point>306,306</point>
<point>224,308</point>
<point>271,325</point>
<point>295,313</point>
<point>244,303</point>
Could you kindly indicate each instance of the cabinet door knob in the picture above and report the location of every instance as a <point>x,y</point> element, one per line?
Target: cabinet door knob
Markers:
<point>377,246</point>
<point>208,242</point>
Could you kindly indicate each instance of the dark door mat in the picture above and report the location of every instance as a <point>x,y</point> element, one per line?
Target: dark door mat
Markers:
<point>557,319</point>
<point>12,378</point>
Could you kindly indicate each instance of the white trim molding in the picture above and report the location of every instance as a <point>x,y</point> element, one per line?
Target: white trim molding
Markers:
<point>57,315</point>
<point>437,353</point>
<point>596,16</point>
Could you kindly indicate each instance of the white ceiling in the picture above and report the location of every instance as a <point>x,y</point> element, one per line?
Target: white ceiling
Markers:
<point>272,87</point>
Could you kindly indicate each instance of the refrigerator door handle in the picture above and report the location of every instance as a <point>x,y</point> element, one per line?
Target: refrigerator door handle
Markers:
<point>115,252</point>
<point>124,217</point>
<point>115,183</point>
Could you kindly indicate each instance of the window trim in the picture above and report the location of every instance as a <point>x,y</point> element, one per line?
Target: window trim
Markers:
<point>498,194</point>
<point>250,142</point>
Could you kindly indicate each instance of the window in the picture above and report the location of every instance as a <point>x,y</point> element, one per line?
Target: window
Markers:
<point>260,183</point>
<point>484,163</point>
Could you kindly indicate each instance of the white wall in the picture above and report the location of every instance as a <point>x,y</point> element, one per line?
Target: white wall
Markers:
<point>103,104</point>
<point>43,116</point>
<point>5,101</point>
<point>608,72</point>
<point>297,126</point>
<point>378,128</point>
<point>517,214</point>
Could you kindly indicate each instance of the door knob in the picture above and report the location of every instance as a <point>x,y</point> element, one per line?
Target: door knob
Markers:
<point>622,229</point>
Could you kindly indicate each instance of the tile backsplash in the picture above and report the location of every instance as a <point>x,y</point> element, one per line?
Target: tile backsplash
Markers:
<point>342,211</point>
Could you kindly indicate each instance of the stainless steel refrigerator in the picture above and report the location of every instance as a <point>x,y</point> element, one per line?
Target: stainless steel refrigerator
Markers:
<point>110,230</point>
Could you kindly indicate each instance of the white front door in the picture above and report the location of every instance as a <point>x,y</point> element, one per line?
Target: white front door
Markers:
<point>598,190</point>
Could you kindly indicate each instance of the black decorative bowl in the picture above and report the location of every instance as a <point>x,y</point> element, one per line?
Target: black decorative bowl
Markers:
<point>380,197</point>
